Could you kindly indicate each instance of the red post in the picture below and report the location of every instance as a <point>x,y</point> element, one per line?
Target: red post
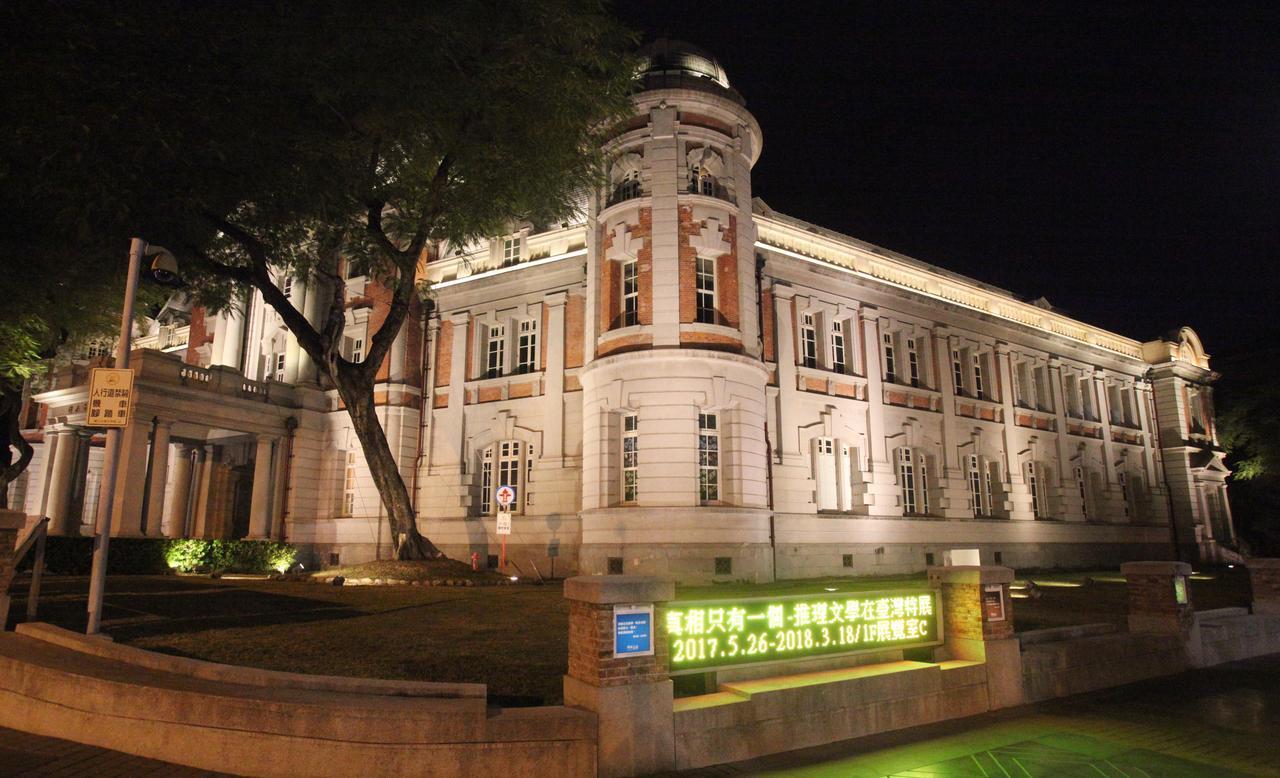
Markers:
<point>475,560</point>
<point>502,560</point>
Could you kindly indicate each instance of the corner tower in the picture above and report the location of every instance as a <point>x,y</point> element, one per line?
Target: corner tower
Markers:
<point>674,453</point>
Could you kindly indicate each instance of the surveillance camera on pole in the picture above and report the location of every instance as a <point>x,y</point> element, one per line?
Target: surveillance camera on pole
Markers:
<point>164,268</point>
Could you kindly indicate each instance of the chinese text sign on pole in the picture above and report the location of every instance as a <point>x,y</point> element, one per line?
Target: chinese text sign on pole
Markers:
<point>504,522</point>
<point>110,397</point>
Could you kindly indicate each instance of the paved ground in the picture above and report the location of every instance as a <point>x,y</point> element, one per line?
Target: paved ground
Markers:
<point>31,755</point>
<point>1220,722</point>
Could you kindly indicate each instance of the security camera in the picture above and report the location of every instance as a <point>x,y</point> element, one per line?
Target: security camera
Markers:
<point>164,268</point>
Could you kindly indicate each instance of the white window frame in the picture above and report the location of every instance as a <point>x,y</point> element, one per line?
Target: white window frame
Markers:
<point>1036,485</point>
<point>510,250</point>
<point>630,457</point>
<point>979,385</point>
<point>486,481</point>
<point>708,458</point>
<point>527,346</point>
<point>913,363</point>
<point>957,371</point>
<point>979,503</point>
<point>890,358</point>
<point>349,484</point>
<point>907,481</point>
<point>495,352</point>
<point>1083,487</point>
<point>839,356</point>
<point>630,281</point>
<point>808,340</point>
<point>704,290</point>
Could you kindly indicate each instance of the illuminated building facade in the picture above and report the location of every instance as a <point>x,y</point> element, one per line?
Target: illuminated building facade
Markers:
<point>679,381</point>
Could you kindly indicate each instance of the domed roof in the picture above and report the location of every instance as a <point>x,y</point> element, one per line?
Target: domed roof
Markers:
<point>667,58</point>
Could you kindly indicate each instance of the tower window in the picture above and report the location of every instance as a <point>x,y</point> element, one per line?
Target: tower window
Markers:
<point>808,341</point>
<point>630,457</point>
<point>705,285</point>
<point>630,294</point>
<point>708,457</point>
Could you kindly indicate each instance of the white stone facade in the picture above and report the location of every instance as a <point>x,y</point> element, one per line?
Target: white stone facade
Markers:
<point>679,381</point>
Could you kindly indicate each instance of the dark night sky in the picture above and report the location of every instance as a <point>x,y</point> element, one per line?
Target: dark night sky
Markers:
<point>1123,161</point>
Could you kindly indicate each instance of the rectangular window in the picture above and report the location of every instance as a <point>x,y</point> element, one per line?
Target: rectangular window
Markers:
<point>890,362</point>
<point>907,480</point>
<point>808,341</point>
<point>1124,492</point>
<point>486,482</point>
<point>630,457</point>
<point>509,468</point>
<point>511,250</point>
<point>277,367</point>
<point>527,350</point>
<point>1040,388</point>
<point>286,287</point>
<point>838,363</point>
<point>923,476</point>
<point>1086,398</point>
<point>1114,411</point>
<point>976,502</point>
<point>979,388</point>
<point>913,362</point>
<point>349,485</point>
<point>990,492</point>
<point>957,371</point>
<point>496,351</point>
<point>1034,485</point>
<point>1196,407</point>
<point>1022,391</point>
<point>705,288</point>
<point>1071,391</point>
<point>630,293</point>
<point>1084,492</point>
<point>708,458</point>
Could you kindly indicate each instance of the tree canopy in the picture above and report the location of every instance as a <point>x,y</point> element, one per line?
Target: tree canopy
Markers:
<point>256,140</point>
<point>1248,418</point>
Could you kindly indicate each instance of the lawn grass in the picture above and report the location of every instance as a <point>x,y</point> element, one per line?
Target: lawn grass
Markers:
<point>512,638</point>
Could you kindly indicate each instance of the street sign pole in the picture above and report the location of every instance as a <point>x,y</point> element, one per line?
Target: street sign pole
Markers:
<point>505,495</point>
<point>98,577</point>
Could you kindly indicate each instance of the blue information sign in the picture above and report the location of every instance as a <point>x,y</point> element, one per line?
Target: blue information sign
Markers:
<point>632,630</point>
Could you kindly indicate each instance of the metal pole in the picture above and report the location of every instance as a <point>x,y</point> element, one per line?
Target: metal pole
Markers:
<point>98,578</point>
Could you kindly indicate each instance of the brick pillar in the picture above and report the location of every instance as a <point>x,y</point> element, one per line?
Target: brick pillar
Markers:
<point>1264,577</point>
<point>11,522</point>
<point>1153,597</point>
<point>977,617</point>
<point>631,696</point>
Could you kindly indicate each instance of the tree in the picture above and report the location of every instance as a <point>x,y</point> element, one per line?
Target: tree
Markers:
<point>258,141</point>
<point>1248,418</point>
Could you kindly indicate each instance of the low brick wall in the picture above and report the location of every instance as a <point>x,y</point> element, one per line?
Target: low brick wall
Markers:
<point>276,724</point>
<point>747,719</point>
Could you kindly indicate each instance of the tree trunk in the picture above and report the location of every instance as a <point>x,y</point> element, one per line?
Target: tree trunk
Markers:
<point>357,394</point>
<point>10,439</point>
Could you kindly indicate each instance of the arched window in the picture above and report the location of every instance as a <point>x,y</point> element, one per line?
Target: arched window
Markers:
<point>701,181</point>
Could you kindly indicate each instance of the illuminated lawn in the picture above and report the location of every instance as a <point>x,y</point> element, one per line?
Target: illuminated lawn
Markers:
<point>513,638</point>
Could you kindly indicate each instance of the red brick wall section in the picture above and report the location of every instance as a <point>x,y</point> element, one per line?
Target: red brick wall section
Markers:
<point>574,324</point>
<point>770,325</point>
<point>726,273</point>
<point>444,353</point>
<point>610,276</point>
<point>1153,595</point>
<point>627,343</point>
<point>197,336</point>
<point>591,649</point>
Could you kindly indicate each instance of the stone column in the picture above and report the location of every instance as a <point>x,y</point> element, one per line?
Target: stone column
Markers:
<point>175,525</point>
<point>131,480</point>
<point>159,477</point>
<point>11,523</point>
<point>202,494</point>
<point>61,466</point>
<point>631,696</point>
<point>260,509</point>
<point>1264,577</point>
<point>977,616</point>
<point>1103,403</point>
<point>229,348</point>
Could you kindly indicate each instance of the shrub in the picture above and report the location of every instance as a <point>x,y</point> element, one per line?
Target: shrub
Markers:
<point>126,556</point>
<point>241,556</point>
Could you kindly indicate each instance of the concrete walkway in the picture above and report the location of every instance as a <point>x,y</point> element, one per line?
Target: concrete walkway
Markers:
<point>22,754</point>
<point>1219,722</point>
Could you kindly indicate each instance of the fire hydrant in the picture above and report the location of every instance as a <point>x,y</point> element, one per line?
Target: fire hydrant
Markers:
<point>475,560</point>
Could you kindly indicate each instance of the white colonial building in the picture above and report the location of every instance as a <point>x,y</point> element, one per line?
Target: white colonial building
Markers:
<point>679,381</point>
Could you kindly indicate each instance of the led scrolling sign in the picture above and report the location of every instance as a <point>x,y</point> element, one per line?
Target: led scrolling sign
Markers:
<point>717,634</point>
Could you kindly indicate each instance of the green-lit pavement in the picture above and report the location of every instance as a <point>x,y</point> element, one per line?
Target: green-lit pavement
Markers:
<point>1223,721</point>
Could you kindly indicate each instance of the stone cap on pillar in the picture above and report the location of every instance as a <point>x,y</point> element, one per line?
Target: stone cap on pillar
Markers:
<point>613,589</point>
<point>12,519</point>
<point>1155,568</point>
<point>971,574</point>
<point>1269,563</point>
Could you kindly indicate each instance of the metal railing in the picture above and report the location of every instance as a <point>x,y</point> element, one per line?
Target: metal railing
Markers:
<point>35,539</point>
